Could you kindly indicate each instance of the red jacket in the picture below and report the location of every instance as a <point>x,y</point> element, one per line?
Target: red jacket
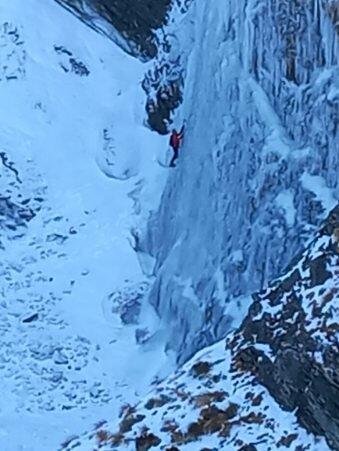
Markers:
<point>176,138</point>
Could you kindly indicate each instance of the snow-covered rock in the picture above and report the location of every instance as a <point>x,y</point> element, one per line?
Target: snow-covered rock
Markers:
<point>290,338</point>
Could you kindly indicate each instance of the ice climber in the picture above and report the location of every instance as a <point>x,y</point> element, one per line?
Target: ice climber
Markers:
<point>175,142</point>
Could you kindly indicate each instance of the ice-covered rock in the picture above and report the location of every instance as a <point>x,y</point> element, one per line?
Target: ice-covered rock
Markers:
<point>258,170</point>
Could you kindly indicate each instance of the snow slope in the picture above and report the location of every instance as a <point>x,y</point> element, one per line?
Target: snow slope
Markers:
<point>78,172</point>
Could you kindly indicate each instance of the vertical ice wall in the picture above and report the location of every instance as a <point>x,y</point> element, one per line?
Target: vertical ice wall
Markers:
<point>259,167</point>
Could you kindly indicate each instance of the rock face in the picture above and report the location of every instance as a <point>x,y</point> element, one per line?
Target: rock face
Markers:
<point>134,25</point>
<point>134,20</point>
<point>164,82</point>
<point>290,338</point>
<point>258,170</point>
<point>273,384</point>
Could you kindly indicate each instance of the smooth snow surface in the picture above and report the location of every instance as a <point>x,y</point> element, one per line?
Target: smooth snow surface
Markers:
<point>71,124</point>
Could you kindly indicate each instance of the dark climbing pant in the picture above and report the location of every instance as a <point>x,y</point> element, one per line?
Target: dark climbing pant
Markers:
<point>175,157</point>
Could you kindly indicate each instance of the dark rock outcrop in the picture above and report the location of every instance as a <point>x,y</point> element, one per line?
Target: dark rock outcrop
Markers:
<point>290,337</point>
<point>134,20</point>
<point>133,25</point>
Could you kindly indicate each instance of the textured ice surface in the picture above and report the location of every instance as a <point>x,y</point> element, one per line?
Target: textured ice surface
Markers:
<point>258,170</point>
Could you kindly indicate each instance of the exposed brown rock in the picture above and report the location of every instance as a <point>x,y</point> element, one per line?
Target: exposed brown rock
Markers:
<point>146,441</point>
<point>201,369</point>
<point>289,324</point>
